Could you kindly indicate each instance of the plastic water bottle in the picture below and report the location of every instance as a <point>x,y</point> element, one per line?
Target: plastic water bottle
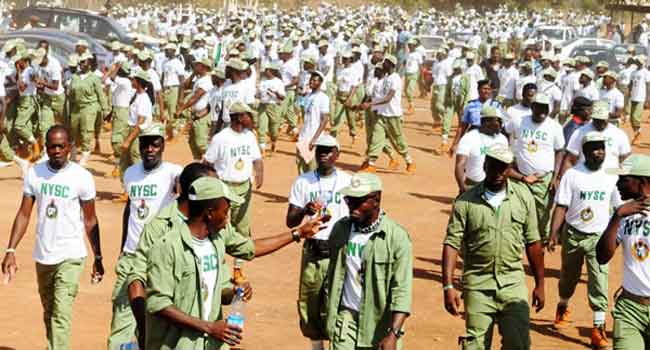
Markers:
<point>237,308</point>
<point>132,345</point>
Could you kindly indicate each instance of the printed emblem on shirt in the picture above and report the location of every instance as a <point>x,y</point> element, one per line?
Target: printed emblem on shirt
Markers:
<point>586,214</point>
<point>239,165</point>
<point>208,263</point>
<point>142,211</point>
<point>55,190</point>
<point>532,146</point>
<point>51,211</point>
<point>640,250</point>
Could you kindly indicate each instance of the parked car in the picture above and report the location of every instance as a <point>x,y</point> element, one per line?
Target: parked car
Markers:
<point>557,35</point>
<point>431,43</point>
<point>597,54</point>
<point>620,51</point>
<point>70,20</point>
<point>62,44</point>
<point>571,45</point>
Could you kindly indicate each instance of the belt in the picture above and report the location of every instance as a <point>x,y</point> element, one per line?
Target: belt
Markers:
<point>354,313</point>
<point>235,183</point>
<point>200,114</point>
<point>637,298</point>
<point>320,248</point>
<point>576,231</point>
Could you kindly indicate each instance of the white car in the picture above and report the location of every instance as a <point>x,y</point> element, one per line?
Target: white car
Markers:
<point>557,35</point>
<point>431,43</point>
<point>569,46</point>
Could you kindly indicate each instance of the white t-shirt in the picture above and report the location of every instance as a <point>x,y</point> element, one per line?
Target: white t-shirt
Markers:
<point>346,78</point>
<point>473,145</point>
<point>316,104</point>
<point>122,92</point>
<point>634,237</point>
<point>155,80</point>
<point>640,78</point>
<point>233,154</point>
<point>326,66</point>
<point>60,228</point>
<point>310,187</point>
<point>614,98</point>
<point>141,107</point>
<point>172,69</point>
<point>551,90</point>
<point>507,79</point>
<point>590,91</point>
<point>354,270</point>
<point>535,144</point>
<point>52,72</point>
<point>205,84</point>
<point>267,85</point>
<point>413,62</point>
<point>588,196</point>
<point>517,112</point>
<point>26,77</point>
<point>148,191</point>
<point>289,70</point>
<point>616,144</point>
<point>394,107</point>
<point>208,261</point>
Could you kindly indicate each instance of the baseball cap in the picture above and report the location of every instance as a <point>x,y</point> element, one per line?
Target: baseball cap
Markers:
<point>509,56</point>
<point>126,67</point>
<point>142,74</point>
<point>9,45</point>
<point>322,43</point>
<point>288,48</point>
<point>208,187</point>
<point>602,64</point>
<point>588,73</point>
<point>115,46</point>
<point>73,60</point>
<point>593,136</point>
<point>600,110</point>
<point>320,74</point>
<point>542,99</point>
<point>308,59</point>
<point>85,56</point>
<point>240,107</point>
<point>500,152</point>
<point>155,129</point>
<point>219,73</point>
<point>170,46</point>
<point>635,165</point>
<point>490,112</point>
<point>82,43</point>
<point>469,55</point>
<point>237,64</point>
<point>205,61</point>
<point>327,140</point>
<point>361,184</point>
<point>550,72</point>
<point>610,74</point>
<point>583,59</point>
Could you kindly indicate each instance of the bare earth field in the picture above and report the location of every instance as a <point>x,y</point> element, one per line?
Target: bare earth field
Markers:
<point>420,202</point>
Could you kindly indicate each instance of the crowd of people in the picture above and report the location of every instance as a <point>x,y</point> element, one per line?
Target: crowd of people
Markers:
<point>540,162</point>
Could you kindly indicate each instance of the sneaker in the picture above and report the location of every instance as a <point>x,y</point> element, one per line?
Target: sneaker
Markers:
<point>4,164</point>
<point>393,164</point>
<point>444,148</point>
<point>368,168</point>
<point>599,338</point>
<point>562,314</point>
<point>410,168</point>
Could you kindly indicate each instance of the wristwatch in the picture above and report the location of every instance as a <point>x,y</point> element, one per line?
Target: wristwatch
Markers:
<point>398,333</point>
<point>296,236</point>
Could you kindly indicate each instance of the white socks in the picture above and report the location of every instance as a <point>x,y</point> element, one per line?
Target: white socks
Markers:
<point>599,318</point>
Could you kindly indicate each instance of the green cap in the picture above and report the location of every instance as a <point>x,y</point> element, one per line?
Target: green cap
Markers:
<point>205,61</point>
<point>600,110</point>
<point>488,111</point>
<point>458,64</point>
<point>143,55</point>
<point>85,56</point>
<point>588,73</point>
<point>219,73</point>
<point>392,59</point>
<point>542,99</point>
<point>308,59</point>
<point>610,74</point>
<point>155,129</point>
<point>142,74</point>
<point>126,67</point>
<point>237,64</point>
<point>602,64</point>
<point>500,152</point>
<point>593,136</point>
<point>362,184</point>
<point>327,140</point>
<point>550,72</point>
<point>583,60</point>
<point>208,187</point>
<point>635,165</point>
<point>240,107</point>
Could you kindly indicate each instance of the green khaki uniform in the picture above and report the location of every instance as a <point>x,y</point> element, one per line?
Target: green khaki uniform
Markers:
<point>86,99</point>
<point>23,127</point>
<point>388,129</point>
<point>7,154</point>
<point>123,326</point>
<point>359,94</point>
<point>311,291</point>
<point>631,325</point>
<point>199,133</point>
<point>372,118</point>
<point>240,214</point>
<point>58,286</point>
<point>342,112</point>
<point>387,286</point>
<point>51,108</point>
<point>577,247</point>
<point>411,84</point>
<point>540,193</point>
<point>455,100</point>
<point>491,242</point>
<point>170,101</point>
<point>268,122</point>
<point>625,89</point>
<point>636,110</point>
<point>119,129</point>
<point>288,109</point>
<point>438,102</point>
<point>172,280</point>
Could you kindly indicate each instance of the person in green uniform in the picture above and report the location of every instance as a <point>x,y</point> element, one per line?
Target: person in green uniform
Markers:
<point>50,92</point>
<point>347,82</point>
<point>179,312</point>
<point>491,224</point>
<point>86,97</point>
<point>27,104</point>
<point>369,279</point>
<point>119,116</point>
<point>628,228</point>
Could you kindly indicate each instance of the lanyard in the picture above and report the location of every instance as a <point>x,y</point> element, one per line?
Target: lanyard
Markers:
<point>320,190</point>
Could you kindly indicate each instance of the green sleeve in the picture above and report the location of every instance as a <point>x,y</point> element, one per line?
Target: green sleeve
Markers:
<point>531,233</point>
<point>140,259</point>
<point>160,277</point>
<point>464,88</point>
<point>238,245</point>
<point>401,285</point>
<point>100,95</point>
<point>456,225</point>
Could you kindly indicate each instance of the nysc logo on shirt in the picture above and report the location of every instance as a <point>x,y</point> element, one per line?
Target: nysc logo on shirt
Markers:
<point>640,250</point>
<point>586,214</point>
<point>592,195</point>
<point>56,190</point>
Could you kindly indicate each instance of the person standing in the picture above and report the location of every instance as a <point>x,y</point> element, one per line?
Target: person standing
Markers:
<point>50,91</point>
<point>347,82</point>
<point>491,224</point>
<point>613,96</point>
<point>369,278</point>
<point>317,194</point>
<point>539,150</point>
<point>26,105</point>
<point>414,60</point>
<point>185,276</point>
<point>317,108</point>
<point>150,185</point>
<point>584,199</point>
<point>271,93</point>
<point>290,70</point>
<point>122,92</point>
<point>64,193</point>
<point>173,74</point>
<point>628,228</point>
<point>639,97</point>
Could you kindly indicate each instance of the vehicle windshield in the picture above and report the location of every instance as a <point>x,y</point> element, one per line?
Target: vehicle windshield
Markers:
<point>431,42</point>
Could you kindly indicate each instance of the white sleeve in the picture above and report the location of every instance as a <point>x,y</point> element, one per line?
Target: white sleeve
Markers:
<point>563,195</point>
<point>144,109</point>
<point>295,195</point>
<point>619,101</point>
<point>574,144</point>
<point>558,138</point>
<point>465,145</point>
<point>87,188</point>
<point>324,104</point>
<point>180,70</point>
<point>27,184</point>
<point>621,230</point>
<point>211,154</point>
<point>624,143</point>
<point>56,75</point>
<point>616,200</point>
<point>255,148</point>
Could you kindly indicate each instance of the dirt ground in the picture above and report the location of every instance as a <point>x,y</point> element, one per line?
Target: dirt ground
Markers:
<point>420,202</point>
